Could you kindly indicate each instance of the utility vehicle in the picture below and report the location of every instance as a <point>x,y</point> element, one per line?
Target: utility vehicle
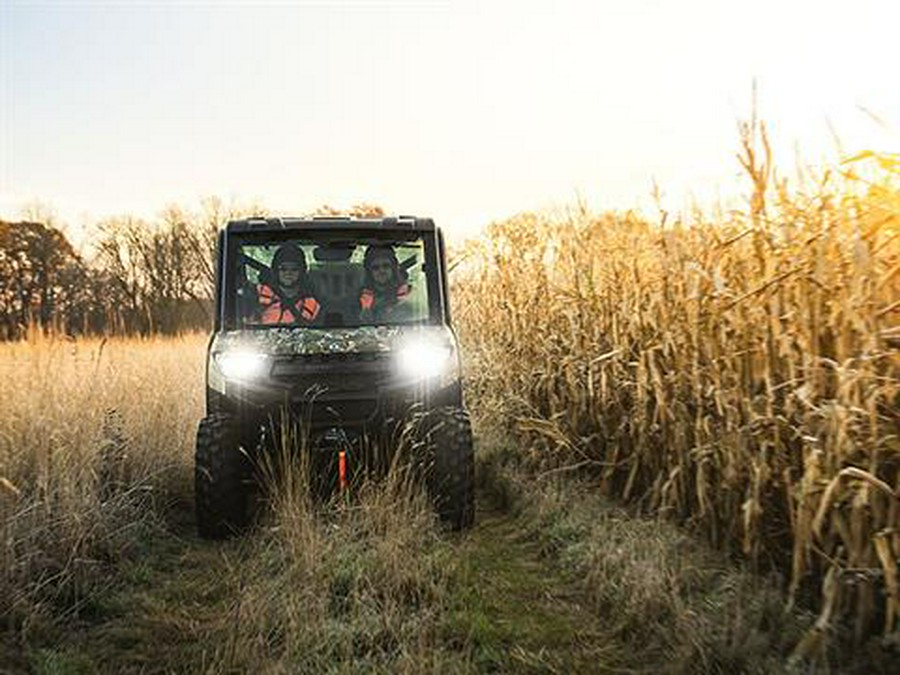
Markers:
<point>313,328</point>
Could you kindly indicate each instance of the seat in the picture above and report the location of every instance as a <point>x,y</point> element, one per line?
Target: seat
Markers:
<point>337,285</point>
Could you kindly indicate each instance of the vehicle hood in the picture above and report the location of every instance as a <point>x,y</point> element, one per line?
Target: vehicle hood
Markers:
<point>313,341</point>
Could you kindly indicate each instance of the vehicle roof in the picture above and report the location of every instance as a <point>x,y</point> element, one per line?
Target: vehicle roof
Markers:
<point>280,224</point>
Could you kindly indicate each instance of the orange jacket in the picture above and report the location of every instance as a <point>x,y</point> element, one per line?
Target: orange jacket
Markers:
<point>367,298</point>
<point>275,311</point>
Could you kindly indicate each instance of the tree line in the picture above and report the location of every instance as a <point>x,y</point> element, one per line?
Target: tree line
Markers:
<point>141,277</point>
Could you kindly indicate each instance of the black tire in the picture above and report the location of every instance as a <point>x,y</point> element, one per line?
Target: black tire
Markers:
<point>221,475</point>
<point>451,471</point>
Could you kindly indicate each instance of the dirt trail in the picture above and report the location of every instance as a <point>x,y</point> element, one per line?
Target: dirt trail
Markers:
<point>519,610</point>
<point>527,614</point>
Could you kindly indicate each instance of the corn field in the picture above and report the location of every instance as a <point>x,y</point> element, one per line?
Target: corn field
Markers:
<point>739,374</point>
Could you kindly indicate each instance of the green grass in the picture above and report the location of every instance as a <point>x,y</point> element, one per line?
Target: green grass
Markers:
<point>521,610</point>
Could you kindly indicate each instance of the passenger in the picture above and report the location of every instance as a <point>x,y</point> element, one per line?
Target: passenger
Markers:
<point>289,299</point>
<point>385,291</point>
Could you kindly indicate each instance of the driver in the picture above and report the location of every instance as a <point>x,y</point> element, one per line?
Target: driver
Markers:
<point>289,298</point>
<point>384,295</point>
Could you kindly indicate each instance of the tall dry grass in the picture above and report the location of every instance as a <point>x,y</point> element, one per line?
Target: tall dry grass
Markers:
<point>740,373</point>
<point>96,457</point>
<point>361,585</point>
<point>96,437</point>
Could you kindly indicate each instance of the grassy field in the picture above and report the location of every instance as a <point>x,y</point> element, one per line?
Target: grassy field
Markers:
<point>96,454</point>
<point>102,569</point>
<point>95,436</point>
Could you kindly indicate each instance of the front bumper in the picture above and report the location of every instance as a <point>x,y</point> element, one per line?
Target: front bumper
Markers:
<point>350,391</point>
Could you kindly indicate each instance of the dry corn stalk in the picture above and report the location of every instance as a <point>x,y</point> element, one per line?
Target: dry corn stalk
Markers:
<point>743,374</point>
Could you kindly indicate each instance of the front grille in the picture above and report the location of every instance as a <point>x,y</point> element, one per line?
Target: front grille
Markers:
<point>332,374</point>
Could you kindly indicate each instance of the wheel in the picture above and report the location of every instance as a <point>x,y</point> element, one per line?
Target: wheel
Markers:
<point>221,475</point>
<point>450,477</point>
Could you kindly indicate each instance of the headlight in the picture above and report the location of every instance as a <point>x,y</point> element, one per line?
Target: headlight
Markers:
<point>424,359</point>
<point>241,365</point>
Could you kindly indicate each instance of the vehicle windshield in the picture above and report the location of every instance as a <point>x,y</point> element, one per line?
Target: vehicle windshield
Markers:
<point>344,282</point>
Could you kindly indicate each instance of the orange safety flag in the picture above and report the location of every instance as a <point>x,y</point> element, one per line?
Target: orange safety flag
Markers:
<point>342,469</point>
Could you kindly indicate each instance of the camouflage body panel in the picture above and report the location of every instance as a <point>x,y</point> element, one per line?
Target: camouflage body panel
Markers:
<point>313,341</point>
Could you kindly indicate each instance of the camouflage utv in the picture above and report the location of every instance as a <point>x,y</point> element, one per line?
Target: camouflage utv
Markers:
<point>342,326</point>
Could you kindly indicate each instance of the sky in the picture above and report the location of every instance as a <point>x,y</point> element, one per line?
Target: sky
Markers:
<point>465,111</point>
